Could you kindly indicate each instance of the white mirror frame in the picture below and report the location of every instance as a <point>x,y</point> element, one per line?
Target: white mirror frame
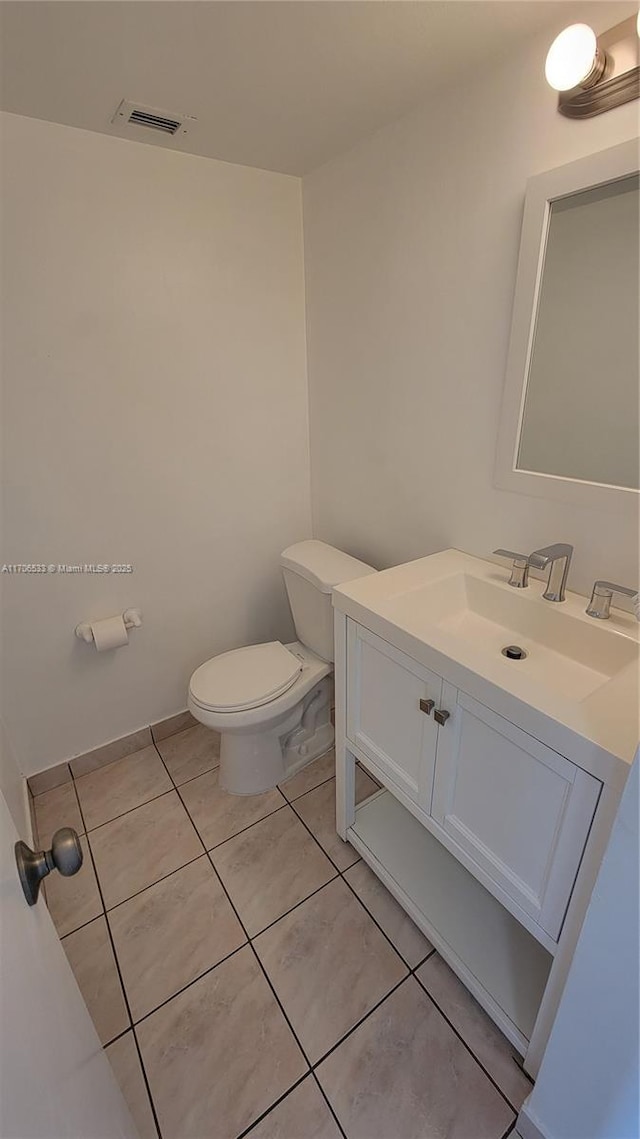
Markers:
<point>542,190</point>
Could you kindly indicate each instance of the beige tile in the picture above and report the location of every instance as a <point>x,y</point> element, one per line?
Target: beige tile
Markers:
<point>190,753</point>
<point>74,901</point>
<point>124,1059</point>
<point>312,776</point>
<point>389,914</point>
<point>329,964</point>
<point>219,1053</point>
<point>271,867</point>
<point>218,815</point>
<point>109,753</point>
<point>118,787</point>
<point>318,810</point>
<point>55,809</point>
<point>173,723</point>
<point>91,958</point>
<point>142,846</point>
<point>303,1112</point>
<point>168,935</point>
<point>373,779</point>
<point>52,777</point>
<point>178,723</point>
<point>404,1073</point>
<point>484,1039</point>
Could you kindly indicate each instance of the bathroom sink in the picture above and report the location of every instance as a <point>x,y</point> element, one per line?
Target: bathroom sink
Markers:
<point>560,649</point>
<point>581,671</point>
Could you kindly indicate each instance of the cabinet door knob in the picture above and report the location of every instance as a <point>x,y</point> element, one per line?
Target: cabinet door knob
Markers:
<point>441,716</point>
<point>427,706</point>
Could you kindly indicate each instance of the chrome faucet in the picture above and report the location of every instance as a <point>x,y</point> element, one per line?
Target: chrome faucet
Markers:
<point>519,568</point>
<point>602,596</point>
<point>558,557</point>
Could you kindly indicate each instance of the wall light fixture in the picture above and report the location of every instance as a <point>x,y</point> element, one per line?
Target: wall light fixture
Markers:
<point>594,73</point>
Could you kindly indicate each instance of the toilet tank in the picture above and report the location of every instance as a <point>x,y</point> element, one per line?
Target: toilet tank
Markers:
<point>310,570</point>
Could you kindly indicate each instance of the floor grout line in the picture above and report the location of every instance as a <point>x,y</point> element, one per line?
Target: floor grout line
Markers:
<point>328,1103</point>
<point>146,1081</point>
<point>357,1025</point>
<point>81,927</point>
<point>155,882</point>
<point>123,814</point>
<point>117,1038</point>
<point>259,962</point>
<point>125,997</point>
<point>192,778</point>
<point>466,1045</point>
<point>259,1119</point>
<point>249,944</point>
<point>189,984</point>
<point>322,782</point>
<point>376,922</point>
<point>217,846</point>
<point>292,909</point>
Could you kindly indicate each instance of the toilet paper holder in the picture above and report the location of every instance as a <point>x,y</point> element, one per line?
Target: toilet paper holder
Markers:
<point>132,620</point>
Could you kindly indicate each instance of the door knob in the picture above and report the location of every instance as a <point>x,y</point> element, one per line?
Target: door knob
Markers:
<point>441,716</point>
<point>427,706</point>
<point>65,855</point>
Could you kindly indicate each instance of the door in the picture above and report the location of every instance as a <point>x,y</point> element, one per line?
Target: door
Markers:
<point>386,720</point>
<point>521,811</point>
<point>56,1081</point>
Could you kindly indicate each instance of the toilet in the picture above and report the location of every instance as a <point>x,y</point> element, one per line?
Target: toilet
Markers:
<point>271,703</point>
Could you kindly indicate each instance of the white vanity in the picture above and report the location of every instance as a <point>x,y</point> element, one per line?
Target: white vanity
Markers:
<point>500,777</point>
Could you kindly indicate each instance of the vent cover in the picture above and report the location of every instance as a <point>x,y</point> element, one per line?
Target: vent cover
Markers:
<point>156,122</point>
<point>150,118</point>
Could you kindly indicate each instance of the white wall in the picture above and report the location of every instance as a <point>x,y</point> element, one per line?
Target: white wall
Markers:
<point>589,1083</point>
<point>13,787</point>
<point>155,410</point>
<point>411,245</point>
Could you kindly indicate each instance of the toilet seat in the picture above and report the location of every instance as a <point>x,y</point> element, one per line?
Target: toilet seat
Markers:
<point>245,678</point>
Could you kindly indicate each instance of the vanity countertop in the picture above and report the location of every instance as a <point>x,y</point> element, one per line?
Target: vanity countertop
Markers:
<point>577,690</point>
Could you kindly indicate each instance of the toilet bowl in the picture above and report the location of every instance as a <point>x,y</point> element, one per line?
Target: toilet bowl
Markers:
<point>271,703</point>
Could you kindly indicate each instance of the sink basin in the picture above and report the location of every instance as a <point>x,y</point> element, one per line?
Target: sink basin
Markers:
<point>455,613</point>
<point>563,651</point>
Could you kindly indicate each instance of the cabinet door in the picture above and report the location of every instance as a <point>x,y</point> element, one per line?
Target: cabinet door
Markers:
<point>384,718</point>
<point>518,809</point>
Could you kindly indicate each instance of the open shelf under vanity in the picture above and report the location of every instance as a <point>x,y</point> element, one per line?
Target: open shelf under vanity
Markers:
<point>497,958</point>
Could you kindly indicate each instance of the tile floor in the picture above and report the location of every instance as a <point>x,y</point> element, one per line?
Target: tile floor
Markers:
<point>249,975</point>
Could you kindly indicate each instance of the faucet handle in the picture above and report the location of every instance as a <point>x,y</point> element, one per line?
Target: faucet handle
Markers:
<point>602,596</point>
<point>519,568</point>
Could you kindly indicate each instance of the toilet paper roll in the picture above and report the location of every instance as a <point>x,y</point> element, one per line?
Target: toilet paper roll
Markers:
<point>110,633</point>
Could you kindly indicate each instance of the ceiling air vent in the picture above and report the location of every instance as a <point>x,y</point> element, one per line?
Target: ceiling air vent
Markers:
<point>156,122</point>
<point>150,118</point>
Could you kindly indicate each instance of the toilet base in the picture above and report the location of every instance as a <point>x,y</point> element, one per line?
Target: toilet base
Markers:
<point>254,762</point>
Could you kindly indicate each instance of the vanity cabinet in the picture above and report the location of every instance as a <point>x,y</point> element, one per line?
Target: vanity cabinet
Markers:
<point>513,811</point>
<point>499,780</point>
<point>518,809</point>
<point>387,692</point>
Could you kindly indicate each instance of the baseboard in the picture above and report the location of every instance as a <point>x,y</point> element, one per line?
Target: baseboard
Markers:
<point>52,777</point>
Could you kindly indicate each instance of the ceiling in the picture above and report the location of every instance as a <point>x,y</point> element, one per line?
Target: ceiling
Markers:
<point>279,85</point>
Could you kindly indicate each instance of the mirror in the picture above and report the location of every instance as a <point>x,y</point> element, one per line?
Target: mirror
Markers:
<point>581,411</point>
<point>571,414</point>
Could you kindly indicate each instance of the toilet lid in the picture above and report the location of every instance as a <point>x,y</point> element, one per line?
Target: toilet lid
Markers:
<point>245,678</point>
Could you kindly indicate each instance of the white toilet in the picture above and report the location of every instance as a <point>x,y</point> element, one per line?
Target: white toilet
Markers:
<point>271,703</point>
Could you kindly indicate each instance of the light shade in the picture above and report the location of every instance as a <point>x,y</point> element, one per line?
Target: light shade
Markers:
<point>572,58</point>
